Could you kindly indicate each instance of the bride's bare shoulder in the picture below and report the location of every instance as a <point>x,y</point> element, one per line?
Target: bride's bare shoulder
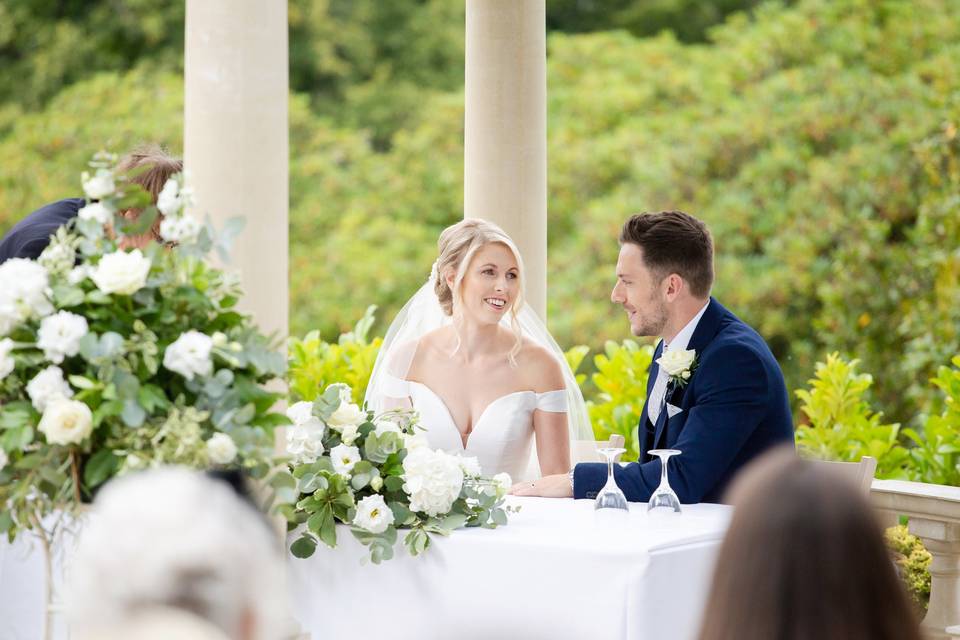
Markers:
<point>540,367</point>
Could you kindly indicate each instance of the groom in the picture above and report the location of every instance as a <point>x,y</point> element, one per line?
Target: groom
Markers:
<point>725,402</point>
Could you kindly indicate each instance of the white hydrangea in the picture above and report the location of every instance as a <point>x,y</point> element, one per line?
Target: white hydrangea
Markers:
<point>189,355</point>
<point>96,211</point>
<point>78,274</point>
<point>98,186</point>
<point>58,257</point>
<point>168,200</point>
<point>301,415</point>
<point>121,272</point>
<point>344,458</point>
<point>373,514</point>
<point>47,386</point>
<point>432,479</point>
<point>66,421</point>
<point>182,229</point>
<point>60,335</point>
<point>221,448</point>
<point>7,362</point>
<point>305,443</point>
<point>24,288</point>
<point>470,466</point>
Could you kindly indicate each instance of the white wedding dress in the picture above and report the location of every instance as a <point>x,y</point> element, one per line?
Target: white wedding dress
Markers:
<point>503,436</point>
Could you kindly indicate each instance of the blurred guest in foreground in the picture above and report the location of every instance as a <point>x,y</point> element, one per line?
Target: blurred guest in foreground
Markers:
<point>804,558</point>
<point>174,547</point>
<point>149,167</point>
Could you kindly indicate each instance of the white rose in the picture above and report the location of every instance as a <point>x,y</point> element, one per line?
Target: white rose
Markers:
<point>168,200</point>
<point>344,458</point>
<point>7,361</point>
<point>180,229</point>
<point>432,479</point>
<point>60,335</point>
<point>346,414</point>
<point>470,466</point>
<point>121,272</point>
<point>676,362</point>
<point>99,185</point>
<point>386,426</point>
<point>3,459</point>
<point>189,355</point>
<point>301,414</point>
<point>304,443</point>
<point>66,421</point>
<point>47,386</point>
<point>503,481</point>
<point>373,514</point>
<point>96,211</point>
<point>24,285</point>
<point>221,448</point>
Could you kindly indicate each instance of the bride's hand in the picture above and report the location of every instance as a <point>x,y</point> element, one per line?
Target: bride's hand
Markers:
<point>555,486</point>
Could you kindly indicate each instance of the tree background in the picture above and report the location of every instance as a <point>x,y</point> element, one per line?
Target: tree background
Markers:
<point>818,139</point>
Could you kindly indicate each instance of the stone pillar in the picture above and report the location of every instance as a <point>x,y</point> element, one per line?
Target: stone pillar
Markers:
<point>236,139</point>
<point>942,540</point>
<point>505,145</point>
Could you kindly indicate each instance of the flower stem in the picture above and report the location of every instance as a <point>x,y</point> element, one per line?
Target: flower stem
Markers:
<point>75,472</point>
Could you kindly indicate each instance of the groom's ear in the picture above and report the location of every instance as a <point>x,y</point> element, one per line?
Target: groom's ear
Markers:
<point>673,285</point>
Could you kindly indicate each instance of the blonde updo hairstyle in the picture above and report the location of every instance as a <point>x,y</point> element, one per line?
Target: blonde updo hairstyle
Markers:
<point>457,246</point>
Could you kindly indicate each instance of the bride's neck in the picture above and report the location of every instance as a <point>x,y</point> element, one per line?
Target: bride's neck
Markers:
<point>475,340</point>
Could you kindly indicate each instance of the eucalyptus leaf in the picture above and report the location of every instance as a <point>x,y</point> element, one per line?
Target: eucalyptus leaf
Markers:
<point>304,546</point>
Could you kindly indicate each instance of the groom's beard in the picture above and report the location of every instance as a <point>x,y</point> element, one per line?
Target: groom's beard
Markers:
<point>651,319</point>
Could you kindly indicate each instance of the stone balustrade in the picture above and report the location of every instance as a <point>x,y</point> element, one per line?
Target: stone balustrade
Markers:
<point>934,517</point>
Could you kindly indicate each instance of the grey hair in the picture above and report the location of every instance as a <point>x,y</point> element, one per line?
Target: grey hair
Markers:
<point>174,538</point>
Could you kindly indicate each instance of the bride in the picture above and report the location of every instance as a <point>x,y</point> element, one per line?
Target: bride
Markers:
<point>478,364</point>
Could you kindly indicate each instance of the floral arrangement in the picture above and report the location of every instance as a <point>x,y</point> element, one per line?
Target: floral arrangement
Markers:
<point>114,359</point>
<point>377,474</point>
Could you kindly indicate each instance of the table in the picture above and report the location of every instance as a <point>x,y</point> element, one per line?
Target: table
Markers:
<point>556,571</point>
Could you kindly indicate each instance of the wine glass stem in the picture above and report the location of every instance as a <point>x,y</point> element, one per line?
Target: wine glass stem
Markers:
<point>610,468</point>
<point>663,470</point>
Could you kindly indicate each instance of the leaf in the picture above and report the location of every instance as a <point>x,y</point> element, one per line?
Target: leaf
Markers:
<point>14,415</point>
<point>454,521</point>
<point>132,414</point>
<point>499,517</point>
<point>99,467</point>
<point>304,546</point>
<point>81,382</point>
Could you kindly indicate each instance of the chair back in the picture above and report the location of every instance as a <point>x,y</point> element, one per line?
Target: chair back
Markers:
<point>859,473</point>
<point>586,450</point>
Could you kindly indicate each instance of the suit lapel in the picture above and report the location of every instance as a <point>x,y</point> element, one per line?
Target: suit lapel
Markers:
<point>706,329</point>
<point>644,416</point>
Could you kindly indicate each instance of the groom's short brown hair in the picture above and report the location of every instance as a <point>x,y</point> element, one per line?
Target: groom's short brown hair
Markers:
<point>673,242</point>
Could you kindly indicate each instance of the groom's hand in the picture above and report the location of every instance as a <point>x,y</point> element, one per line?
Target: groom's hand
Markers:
<point>555,486</point>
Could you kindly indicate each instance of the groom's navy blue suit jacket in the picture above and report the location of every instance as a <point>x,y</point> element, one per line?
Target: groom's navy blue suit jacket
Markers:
<point>734,407</point>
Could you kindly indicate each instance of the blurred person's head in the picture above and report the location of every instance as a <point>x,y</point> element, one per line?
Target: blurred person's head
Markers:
<point>149,166</point>
<point>804,558</point>
<point>175,539</point>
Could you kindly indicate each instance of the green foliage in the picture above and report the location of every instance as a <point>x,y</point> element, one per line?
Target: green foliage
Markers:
<point>621,383</point>
<point>935,456</point>
<point>842,426</point>
<point>315,364</point>
<point>913,562</point>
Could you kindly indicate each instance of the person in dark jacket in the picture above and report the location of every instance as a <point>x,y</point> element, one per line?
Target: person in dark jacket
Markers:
<point>29,237</point>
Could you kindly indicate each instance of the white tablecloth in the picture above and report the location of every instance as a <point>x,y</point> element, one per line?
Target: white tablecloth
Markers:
<point>556,571</point>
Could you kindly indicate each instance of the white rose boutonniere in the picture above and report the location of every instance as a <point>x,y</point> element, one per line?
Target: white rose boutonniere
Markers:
<point>679,365</point>
<point>66,421</point>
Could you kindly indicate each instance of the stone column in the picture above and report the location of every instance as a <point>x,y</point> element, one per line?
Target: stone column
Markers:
<point>505,146</point>
<point>236,139</point>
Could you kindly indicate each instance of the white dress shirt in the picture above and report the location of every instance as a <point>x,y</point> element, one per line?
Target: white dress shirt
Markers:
<point>679,343</point>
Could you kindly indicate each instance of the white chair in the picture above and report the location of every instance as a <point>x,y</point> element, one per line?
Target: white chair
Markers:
<point>586,450</point>
<point>859,473</point>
